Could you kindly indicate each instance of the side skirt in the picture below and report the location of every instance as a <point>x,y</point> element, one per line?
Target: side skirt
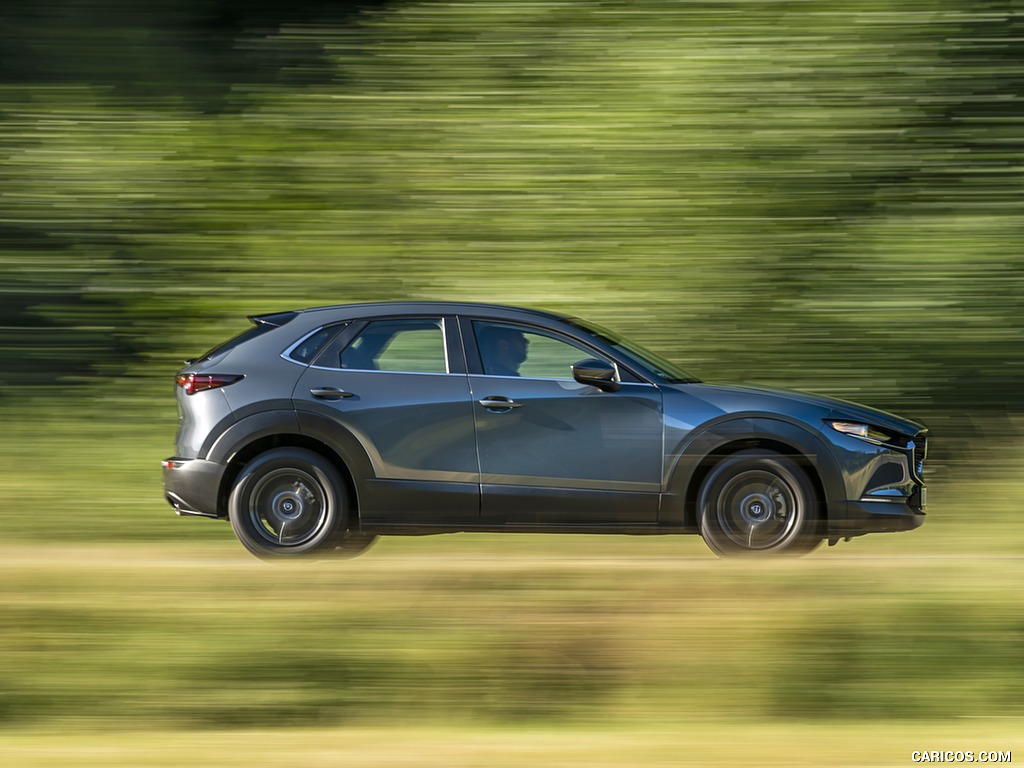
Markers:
<point>431,530</point>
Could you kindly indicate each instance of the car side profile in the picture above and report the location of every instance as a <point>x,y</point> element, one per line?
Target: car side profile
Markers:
<point>317,430</point>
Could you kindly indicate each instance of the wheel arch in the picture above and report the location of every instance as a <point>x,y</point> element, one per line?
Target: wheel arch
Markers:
<point>704,451</point>
<point>256,434</point>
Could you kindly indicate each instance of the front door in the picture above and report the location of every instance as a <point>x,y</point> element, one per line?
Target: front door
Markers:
<point>554,451</point>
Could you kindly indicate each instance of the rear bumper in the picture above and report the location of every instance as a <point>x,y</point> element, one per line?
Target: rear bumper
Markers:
<point>192,486</point>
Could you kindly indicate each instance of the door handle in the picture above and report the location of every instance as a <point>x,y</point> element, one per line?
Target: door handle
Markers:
<point>329,393</point>
<point>499,402</point>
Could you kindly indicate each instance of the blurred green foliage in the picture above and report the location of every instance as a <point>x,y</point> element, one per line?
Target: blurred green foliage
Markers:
<point>796,193</point>
<point>143,639</point>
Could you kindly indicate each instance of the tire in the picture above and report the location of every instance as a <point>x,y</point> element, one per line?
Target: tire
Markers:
<point>288,502</point>
<point>758,502</point>
<point>353,544</point>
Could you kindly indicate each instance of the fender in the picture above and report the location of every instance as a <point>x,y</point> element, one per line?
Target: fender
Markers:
<point>341,441</point>
<point>250,428</point>
<point>684,468</point>
<point>279,424</point>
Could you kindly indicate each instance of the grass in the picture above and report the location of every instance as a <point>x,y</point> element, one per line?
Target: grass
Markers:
<point>161,636</point>
<point>169,655</point>
<point>681,744</point>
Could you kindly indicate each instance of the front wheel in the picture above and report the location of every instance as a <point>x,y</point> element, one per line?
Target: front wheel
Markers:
<point>288,502</point>
<point>759,502</point>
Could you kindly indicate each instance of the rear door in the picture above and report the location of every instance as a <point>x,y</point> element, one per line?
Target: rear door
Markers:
<point>554,451</point>
<point>399,386</point>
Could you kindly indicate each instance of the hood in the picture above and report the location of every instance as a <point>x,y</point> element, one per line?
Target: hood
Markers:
<point>743,397</point>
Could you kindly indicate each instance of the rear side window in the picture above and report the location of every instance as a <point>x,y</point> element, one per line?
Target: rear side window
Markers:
<point>400,346</point>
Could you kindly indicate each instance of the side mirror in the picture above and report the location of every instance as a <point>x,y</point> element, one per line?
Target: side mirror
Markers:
<point>596,373</point>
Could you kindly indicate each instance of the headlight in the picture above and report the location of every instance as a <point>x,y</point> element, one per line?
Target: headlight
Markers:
<point>864,431</point>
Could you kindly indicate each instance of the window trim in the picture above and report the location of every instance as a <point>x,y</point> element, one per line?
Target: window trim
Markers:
<point>343,326</point>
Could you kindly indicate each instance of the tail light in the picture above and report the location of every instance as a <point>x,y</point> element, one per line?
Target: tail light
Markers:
<point>197,382</point>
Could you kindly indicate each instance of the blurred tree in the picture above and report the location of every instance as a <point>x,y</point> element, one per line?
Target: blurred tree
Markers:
<point>79,281</point>
<point>802,194</point>
<point>174,52</point>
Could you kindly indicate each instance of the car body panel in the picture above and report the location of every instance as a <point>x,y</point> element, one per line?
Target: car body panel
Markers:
<point>202,418</point>
<point>413,426</point>
<point>731,431</point>
<point>249,429</point>
<point>569,436</point>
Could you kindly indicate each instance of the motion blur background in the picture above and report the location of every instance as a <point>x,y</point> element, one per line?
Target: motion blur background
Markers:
<point>822,196</point>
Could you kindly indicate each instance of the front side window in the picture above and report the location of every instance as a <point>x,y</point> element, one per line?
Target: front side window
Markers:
<point>400,346</point>
<point>513,350</point>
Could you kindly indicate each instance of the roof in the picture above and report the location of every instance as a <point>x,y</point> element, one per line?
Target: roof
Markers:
<point>444,307</point>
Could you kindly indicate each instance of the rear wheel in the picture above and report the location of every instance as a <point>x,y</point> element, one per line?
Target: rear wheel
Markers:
<point>759,502</point>
<point>288,502</point>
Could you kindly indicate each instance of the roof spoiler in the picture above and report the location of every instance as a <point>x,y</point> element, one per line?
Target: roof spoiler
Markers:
<point>275,320</point>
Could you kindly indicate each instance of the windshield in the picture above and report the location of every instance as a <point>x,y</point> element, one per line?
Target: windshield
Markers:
<point>634,353</point>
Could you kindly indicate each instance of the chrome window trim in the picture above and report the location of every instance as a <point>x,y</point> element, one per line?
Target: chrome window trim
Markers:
<point>444,344</point>
<point>570,380</point>
<point>286,355</point>
<point>398,373</point>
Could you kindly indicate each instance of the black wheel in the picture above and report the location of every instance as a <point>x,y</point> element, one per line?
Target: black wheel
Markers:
<point>288,501</point>
<point>354,543</point>
<point>759,502</point>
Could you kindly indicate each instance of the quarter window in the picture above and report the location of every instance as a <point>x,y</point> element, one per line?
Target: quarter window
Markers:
<point>401,346</point>
<point>310,347</point>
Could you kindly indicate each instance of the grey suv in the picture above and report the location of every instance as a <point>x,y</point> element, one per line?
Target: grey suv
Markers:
<point>318,430</point>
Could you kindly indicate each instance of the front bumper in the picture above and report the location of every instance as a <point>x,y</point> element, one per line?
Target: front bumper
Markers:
<point>883,484</point>
<point>192,486</point>
<point>879,516</point>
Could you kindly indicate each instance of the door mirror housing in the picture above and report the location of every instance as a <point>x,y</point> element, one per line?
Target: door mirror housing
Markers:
<point>596,373</point>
